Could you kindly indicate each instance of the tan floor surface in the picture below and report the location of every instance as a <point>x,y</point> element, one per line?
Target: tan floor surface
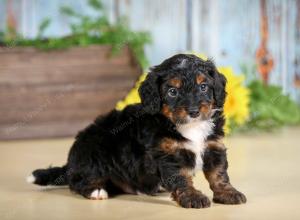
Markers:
<point>265,167</point>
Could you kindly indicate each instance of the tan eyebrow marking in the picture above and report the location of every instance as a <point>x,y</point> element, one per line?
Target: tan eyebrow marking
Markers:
<point>200,79</point>
<point>175,82</point>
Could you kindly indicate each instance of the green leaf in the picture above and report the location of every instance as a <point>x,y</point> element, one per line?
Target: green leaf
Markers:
<point>2,36</point>
<point>96,4</point>
<point>66,10</point>
<point>43,26</point>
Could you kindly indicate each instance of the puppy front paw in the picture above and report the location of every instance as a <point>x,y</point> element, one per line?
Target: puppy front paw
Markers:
<point>231,196</point>
<point>192,199</point>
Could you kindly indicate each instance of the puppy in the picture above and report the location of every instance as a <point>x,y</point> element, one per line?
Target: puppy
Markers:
<point>176,130</point>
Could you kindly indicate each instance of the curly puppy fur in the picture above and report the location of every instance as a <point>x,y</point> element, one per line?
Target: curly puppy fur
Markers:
<point>177,129</point>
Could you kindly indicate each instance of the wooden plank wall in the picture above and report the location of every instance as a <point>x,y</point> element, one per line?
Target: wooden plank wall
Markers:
<point>227,30</point>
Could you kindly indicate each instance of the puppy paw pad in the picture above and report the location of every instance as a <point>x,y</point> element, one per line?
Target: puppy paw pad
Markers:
<point>99,194</point>
<point>230,197</point>
<point>193,199</point>
<point>103,194</point>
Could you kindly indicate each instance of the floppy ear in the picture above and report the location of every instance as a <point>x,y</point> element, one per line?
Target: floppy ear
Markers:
<point>149,93</point>
<point>219,84</point>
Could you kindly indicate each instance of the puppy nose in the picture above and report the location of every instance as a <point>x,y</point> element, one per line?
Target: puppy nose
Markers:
<point>193,112</point>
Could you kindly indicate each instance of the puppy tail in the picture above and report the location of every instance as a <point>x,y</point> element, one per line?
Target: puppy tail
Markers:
<point>55,176</point>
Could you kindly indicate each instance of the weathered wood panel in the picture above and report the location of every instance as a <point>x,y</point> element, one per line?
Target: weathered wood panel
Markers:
<point>59,92</point>
<point>63,66</point>
<point>166,20</point>
<point>2,15</point>
<point>229,31</point>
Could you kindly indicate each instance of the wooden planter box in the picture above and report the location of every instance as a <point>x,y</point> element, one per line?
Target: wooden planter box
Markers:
<point>58,93</point>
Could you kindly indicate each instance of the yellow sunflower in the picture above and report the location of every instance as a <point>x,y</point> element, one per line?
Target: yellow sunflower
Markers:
<point>133,95</point>
<point>236,108</point>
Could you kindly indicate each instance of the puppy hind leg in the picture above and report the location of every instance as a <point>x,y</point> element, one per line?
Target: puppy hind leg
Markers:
<point>89,187</point>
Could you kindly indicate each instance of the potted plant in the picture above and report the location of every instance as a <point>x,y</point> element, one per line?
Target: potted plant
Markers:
<point>53,87</point>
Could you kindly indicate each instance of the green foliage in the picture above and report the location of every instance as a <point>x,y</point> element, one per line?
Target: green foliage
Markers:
<point>88,30</point>
<point>69,11</point>
<point>42,27</point>
<point>119,36</point>
<point>270,108</point>
<point>1,36</point>
<point>9,35</point>
<point>96,4</point>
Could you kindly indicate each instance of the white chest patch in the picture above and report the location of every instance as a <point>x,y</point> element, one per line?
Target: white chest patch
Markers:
<point>196,132</point>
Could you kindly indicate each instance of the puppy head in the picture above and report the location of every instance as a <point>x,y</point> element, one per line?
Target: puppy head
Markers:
<point>183,88</point>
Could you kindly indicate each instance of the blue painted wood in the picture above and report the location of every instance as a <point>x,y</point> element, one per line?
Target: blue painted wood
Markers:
<point>165,19</point>
<point>228,31</point>
<point>2,14</point>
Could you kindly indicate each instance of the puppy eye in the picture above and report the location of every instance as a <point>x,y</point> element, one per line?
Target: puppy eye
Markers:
<point>172,92</point>
<point>203,87</point>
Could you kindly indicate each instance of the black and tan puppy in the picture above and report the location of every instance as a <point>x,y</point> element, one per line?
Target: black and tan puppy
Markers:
<point>176,130</point>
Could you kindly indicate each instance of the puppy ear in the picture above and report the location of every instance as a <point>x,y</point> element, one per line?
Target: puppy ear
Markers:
<point>219,84</point>
<point>149,93</point>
